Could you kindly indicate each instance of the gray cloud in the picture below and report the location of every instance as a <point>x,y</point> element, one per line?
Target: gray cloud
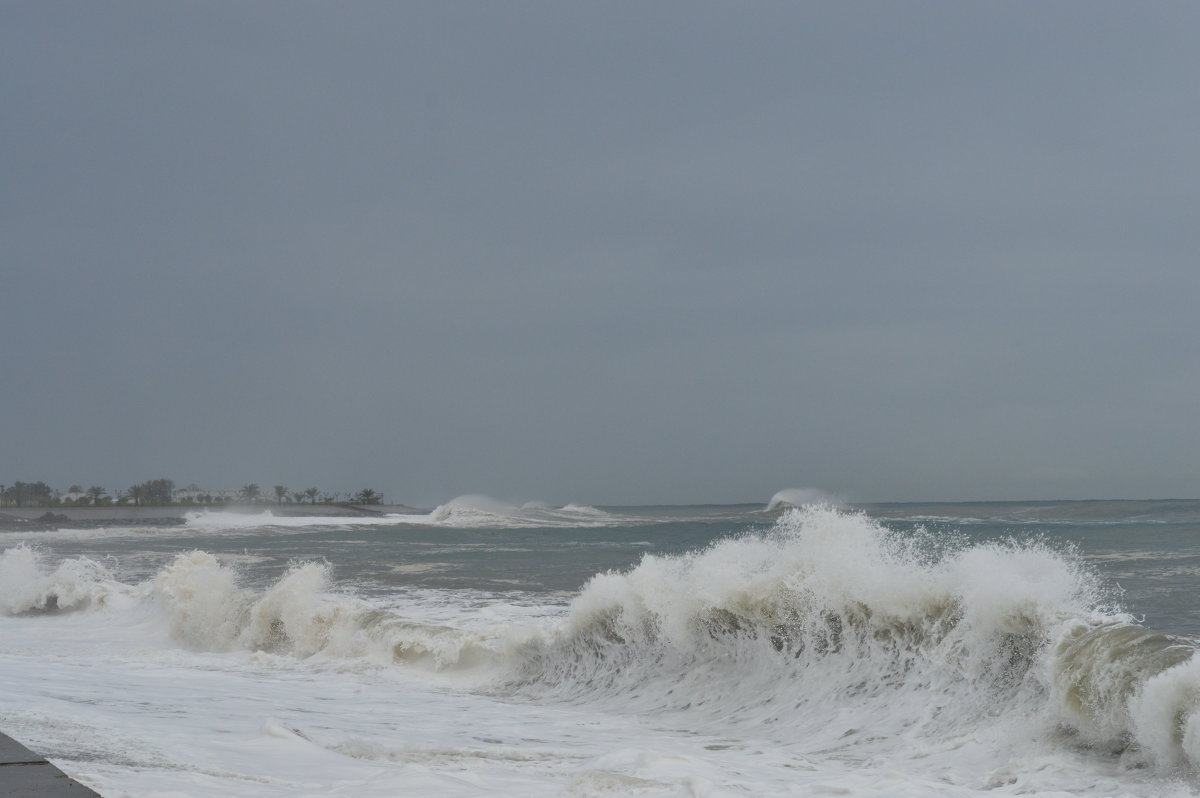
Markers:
<point>606,253</point>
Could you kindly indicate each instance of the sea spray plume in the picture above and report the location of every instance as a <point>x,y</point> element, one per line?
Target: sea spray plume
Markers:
<point>830,626</point>
<point>582,509</point>
<point>298,615</point>
<point>28,585</point>
<point>472,505</point>
<point>790,498</point>
<point>822,585</point>
<point>204,604</point>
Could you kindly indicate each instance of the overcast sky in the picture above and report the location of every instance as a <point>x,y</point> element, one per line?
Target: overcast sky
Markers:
<point>604,252</point>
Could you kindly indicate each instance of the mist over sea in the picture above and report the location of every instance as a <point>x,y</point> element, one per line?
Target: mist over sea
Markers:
<point>483,649</point>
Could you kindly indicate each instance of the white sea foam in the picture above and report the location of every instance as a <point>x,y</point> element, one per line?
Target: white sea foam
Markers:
<point>826,656</point>
<point>298,615</point>
<point>216,520</point>
<point>28,585</point>
<point>834,630</point>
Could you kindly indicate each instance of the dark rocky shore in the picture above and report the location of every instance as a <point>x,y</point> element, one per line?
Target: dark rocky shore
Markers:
<point>41,519</point>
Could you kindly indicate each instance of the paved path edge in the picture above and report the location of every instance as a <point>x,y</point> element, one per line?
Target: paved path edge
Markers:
<point>25,774</point>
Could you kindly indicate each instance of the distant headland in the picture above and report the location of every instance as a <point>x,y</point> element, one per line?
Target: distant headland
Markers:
<point>164,493</point>
<point>36,506</point>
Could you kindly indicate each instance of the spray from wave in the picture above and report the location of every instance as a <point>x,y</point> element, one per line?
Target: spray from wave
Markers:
<point>204,607</point>
<point>479,511</point>
<point>827,629</point>
<point>795,498</point>
<point>833,630</point>
<point>28,585</point>
<point>298,615</point>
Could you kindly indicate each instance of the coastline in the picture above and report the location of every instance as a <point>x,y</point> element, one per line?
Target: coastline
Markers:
<point>33,519</point>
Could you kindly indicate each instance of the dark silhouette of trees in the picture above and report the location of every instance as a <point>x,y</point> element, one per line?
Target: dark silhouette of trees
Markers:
<point>162,491</point>
<point>152,491</point>
<point>137,493</point>
<point>27,493</point>
<point>368,496</point>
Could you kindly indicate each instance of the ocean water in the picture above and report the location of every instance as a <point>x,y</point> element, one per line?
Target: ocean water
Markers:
<point>485,649</point>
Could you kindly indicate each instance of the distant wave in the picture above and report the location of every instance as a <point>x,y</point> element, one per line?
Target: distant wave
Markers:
<point>468,511</point>
<point>474,510</point>
<point>220,520</point>
<point>798,497</point>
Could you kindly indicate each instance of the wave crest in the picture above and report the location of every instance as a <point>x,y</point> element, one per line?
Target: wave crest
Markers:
<point>474,510</point>
<point>795,498</point>
<point>28,585</point>
<point>832,623</point>
<point>298,615</point>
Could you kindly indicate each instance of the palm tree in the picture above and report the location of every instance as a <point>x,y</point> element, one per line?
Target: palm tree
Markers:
<point>97,493</point>
<point>280,492</point>
<point>368,496</point>
<point>137,493</point>
<point>297,496</point>
<point>312,494</point>
<point>250,492</point>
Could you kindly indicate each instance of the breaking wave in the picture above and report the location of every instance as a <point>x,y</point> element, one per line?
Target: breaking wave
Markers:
<point>465,512</point>
<point>298,615</point>
<point>485,512</point>
<point>28,585</point>
<point>205,608</point>
<point>793,498</point>
<point>834,630</point>
<point>828,629</point>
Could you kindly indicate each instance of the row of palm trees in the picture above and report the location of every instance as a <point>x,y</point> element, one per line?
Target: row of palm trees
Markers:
<point>252,492</point>
<point>162,491</point>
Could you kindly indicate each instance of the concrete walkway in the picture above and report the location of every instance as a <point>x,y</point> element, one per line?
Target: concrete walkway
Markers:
<point>24,774</point>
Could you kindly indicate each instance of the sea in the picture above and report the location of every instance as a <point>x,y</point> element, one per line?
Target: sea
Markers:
<point>793,648</point>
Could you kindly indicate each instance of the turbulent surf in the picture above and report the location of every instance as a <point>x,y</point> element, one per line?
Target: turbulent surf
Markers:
<point>874,651</point>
